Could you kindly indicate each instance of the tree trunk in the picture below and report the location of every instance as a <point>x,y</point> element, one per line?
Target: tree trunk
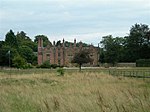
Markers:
<point>80,67</point>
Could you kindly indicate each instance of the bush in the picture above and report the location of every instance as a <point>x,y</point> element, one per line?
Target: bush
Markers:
<point>26,66</point>
<point>46,64</point>
<point>54,66</point>
<point>19,62</point>
<point>60,72</point>
<point>143,63</point>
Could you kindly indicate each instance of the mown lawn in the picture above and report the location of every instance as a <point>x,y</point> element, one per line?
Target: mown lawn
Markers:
<point>86,91</point>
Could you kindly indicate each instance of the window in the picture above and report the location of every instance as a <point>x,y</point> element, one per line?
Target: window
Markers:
<point>69,54</point>
<point>58,61</point>
<point>58,54</point>
<point>54,50</point>
<point>48,56</point>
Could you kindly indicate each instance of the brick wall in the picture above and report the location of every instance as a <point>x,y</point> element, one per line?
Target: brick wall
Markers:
<point>63,55</point>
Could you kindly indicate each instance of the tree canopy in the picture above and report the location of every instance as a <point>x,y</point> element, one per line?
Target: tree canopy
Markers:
<point>112,49</point>
<point>129,48</point>
<point>134,46</point>
<point>45,40</point>
<point>137,43</point>
<point>10,39</point>
<point>81,57</point>
<point>20,46</point>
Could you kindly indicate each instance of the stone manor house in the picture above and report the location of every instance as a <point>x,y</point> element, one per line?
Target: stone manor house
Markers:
<point>62,54</point>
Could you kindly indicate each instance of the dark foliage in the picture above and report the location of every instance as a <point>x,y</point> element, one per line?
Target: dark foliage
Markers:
<point>81,58</point>
<point>129,48</point>
<point>143,63</point>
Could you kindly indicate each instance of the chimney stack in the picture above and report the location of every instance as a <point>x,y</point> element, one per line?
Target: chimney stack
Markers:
<point>74,42</point>
<point>53,43</point>
<point>40,42</point>
<point>63,42</point>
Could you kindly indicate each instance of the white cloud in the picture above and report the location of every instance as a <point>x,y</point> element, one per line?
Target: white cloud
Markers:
<point>90,38</point>
<point>86,19</point>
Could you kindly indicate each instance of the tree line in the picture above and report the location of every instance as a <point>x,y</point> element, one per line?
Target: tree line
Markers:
<point>130,48</point>
<point>20,51</point>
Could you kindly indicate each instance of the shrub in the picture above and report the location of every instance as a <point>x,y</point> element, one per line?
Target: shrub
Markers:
<point>143,63</point>
<point>60,72</point>
<point>46,64</point>
<point>54,66</point>
<point>28,65</point>
<point>19,62</point>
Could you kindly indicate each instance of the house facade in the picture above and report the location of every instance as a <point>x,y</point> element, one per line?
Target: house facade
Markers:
<point>63,54</point>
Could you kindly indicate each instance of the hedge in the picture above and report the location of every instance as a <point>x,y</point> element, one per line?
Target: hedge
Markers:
<point>143,63</point>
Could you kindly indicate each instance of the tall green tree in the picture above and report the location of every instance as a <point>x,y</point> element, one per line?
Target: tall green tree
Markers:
<point>10,39</point>
<point>81,58</point>
<point>45,40</point>
<point>112,49</point>
<point>4,55</point>
<point>1,44</point>
<point>19,44</point>
<point>102,56</point>
<point>21,37</point>
<point>19,62</point>
<point>137,45</point>
<point>26,53</point>
<point>24,40</point>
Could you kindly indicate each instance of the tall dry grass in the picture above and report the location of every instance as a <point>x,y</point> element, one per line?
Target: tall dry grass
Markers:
<point>73,92</point>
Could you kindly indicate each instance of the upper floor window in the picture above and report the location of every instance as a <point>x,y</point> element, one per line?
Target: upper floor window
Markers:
<point>59,54</point>
<point>48,56</point>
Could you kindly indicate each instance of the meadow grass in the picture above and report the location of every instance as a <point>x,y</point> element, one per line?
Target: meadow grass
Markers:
<point>86,91</point>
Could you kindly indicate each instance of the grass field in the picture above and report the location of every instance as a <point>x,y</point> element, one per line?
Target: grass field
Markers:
<point>87,91</point>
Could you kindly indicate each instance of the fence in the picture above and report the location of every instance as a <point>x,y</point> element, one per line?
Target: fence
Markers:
<point>118,65</point>
<point>142,73</point>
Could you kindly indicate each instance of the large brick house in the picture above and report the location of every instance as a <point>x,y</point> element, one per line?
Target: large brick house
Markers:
<point>62,54</point>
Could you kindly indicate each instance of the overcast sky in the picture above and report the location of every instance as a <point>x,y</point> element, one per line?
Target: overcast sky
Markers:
<point>85,20</point>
